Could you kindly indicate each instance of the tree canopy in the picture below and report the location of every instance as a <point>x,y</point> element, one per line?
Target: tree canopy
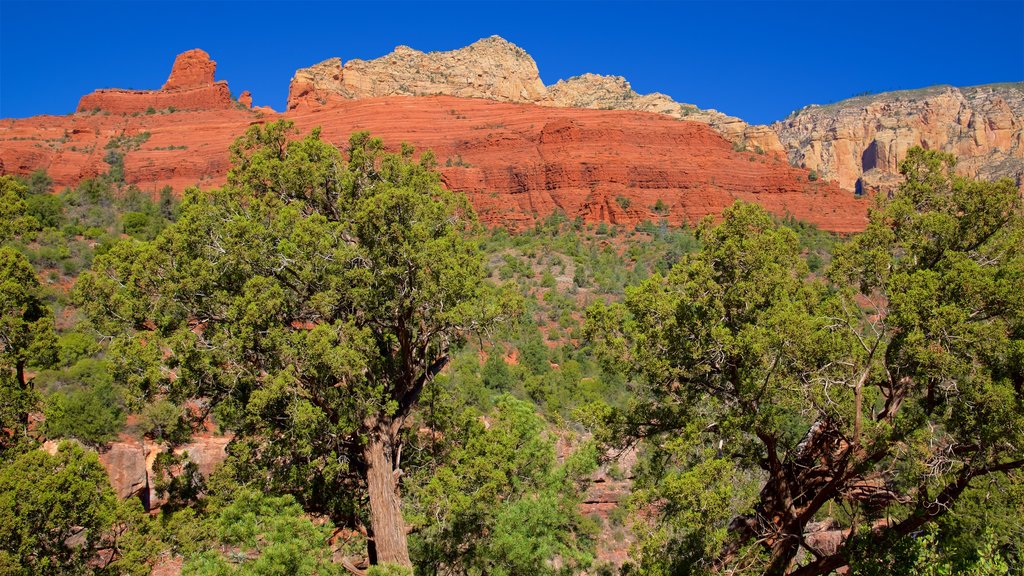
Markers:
<point>308,302</point>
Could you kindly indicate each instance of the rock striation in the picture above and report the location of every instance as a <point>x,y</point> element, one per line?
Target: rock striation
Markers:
<point>859,142</point>
<point>496,69</point>
<point>190,86</point>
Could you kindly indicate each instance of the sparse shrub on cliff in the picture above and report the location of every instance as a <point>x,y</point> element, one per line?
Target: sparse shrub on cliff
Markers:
<point>623,202</point>
<point>660,207</point>
<point>812,175</point>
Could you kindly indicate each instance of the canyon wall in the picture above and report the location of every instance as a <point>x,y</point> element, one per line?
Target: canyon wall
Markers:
<point>589,146</point>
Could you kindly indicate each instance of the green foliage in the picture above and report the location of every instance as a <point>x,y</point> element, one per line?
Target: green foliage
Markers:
<point>44,501</point>
<point>503,505</point>
<point>767,367</point>
<point>329,293</point>
<point>260,535</point>
<point>922,556</point>
<point>93,415</point>
<point>27,338</point>
<point>75,346</point>
<point>15,220</point>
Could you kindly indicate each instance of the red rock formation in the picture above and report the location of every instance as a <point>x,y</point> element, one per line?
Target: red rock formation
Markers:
<point>189,87</point>
<point>516,162</point>
<point>191,69</point>
<point>245,99</point>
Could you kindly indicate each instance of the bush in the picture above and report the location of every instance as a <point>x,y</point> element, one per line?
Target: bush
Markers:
<point>75,346</point>
<point>45,501</point>
<point>623,202</point>
<point>92,415</point>
<point>138,224</point>
<point>46,209</point>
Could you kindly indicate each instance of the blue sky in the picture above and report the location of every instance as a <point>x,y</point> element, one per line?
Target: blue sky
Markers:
<point>758,60</point>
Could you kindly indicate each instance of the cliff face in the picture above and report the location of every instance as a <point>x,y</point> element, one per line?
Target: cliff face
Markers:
<point>515,162</point>
<point>490,68</point>
<point>190,86</point>
<point>859,142</point>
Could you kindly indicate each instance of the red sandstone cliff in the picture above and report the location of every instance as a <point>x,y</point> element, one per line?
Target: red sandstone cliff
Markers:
<point>516,162</point>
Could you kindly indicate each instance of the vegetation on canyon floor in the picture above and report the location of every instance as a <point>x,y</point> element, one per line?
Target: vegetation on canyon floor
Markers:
<point>408,391</point>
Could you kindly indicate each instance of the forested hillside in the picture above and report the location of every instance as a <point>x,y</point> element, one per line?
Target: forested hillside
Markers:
<point>393,388</point>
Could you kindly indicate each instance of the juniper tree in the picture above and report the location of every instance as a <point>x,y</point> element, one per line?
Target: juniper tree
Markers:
<point>308,302</point>
<point>785,407</point>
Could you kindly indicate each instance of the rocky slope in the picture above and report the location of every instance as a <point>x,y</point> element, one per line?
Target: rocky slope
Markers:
<point>859,142</point>
<point>516,162</point>
<point>495,69</point>
<point>595,91</point>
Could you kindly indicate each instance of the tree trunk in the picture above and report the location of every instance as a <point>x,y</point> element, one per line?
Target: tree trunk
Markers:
<point>386,522</point>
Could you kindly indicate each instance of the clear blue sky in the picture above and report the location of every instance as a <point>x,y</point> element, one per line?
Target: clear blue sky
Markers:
<point>757,59</point>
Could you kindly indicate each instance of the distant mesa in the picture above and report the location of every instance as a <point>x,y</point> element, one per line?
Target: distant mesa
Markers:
<point>189,87</point>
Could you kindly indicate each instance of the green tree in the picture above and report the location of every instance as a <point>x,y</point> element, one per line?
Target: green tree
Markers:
<point>92,414</point>
<point>887,409</point>
<point>15,218</point>
<point>501,504</point>
<point>260,535</point>
<point>26,337</point>
<point>45,500</point>
<point>311,300</point>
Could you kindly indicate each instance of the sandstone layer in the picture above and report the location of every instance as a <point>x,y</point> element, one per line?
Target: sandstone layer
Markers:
<point>190,86</point>
<point>515,162</point>
<point>859,142</point>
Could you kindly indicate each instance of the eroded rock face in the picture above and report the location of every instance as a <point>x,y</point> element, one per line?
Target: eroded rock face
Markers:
<point>191,69</point>
<point>130,463</point>
<point>245,99</point>
<point>190,86</point>
<point>859,142</point>
<point>490,68</point>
